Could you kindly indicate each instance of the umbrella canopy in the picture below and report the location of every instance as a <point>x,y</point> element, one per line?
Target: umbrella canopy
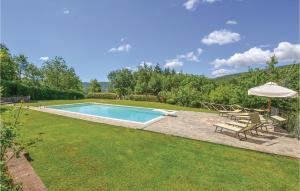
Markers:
<point>271,89</point>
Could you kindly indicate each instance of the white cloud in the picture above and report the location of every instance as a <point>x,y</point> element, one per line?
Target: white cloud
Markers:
<point>191,4</point>
<point>199,50</point>
<point>209,1</point>
<point>222,72</point>
<point>284,51</point>
<point>143,63</point>
<point>231,22</point>
<point>173,63</point>
<point>44,58</point>
<point>221,37</point>
<point>121,48</point>
<point>191,56</point>
<point>251,56</point>
<point>122,39</point>
<point>287,51</point>
<point>264,46</point>
<point>66,11</point>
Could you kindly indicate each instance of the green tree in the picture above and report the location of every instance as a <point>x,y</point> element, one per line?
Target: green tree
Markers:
<point>122,82</point>
<point>56,74</point>
<point>32,76</point>
<point>94,86</point>
<point>21,61</point>
<point>8,68</point>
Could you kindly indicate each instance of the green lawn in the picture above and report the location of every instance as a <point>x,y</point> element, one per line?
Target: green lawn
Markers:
<point>82,155</point>
<point>119,102</point>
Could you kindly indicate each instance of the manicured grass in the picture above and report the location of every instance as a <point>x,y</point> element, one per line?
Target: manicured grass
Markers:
<point>120,102</point>
<point>82,155</point>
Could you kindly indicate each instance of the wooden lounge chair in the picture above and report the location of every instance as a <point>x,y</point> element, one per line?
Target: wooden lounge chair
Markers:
<point>237,124</point>
<point>240,128</point>
<point>237,130</point>
<point>234,115</point>
<point>222,112</point>
<point>277,120</point>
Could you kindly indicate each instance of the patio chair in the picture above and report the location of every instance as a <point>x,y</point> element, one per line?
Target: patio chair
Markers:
<point>240,128</point>
<point>222,112</point>
<point>277,120</point>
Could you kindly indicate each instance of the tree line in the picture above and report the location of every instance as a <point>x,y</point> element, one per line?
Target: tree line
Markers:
<point>54,73</point>
<point>191,90</point>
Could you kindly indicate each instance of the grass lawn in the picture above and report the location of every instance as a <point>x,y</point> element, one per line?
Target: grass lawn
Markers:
<point>81,155</point>
<point>119,102</point>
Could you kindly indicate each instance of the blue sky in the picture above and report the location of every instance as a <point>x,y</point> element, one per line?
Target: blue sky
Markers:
<point>210,37</point>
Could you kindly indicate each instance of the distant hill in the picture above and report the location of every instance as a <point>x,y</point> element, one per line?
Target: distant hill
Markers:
<point>104,86</point>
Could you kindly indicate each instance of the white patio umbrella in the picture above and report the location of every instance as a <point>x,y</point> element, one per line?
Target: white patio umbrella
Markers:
<point>270,90</point>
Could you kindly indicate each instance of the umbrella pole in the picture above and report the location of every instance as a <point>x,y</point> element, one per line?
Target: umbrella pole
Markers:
<point>269,105</point>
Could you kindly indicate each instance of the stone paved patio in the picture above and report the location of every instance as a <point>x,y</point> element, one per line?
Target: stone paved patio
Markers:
<point>199,126</point>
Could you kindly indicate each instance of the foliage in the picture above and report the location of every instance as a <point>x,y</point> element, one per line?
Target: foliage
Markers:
<point>15,88</point>
<point>102,95</point>
<point>94,86</point>
<point>8,140</point>
<point>8,68</point>
<point>54,77</point>
<point>6,183</point>
<point>57,75</point>
<point>143,98</point>
<point>122,82</point>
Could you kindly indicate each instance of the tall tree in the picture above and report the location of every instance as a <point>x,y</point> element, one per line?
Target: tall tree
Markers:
<point>21,61</point>
<point>122,81</point>
<point>8,68</point>
<point>94,86</point>
<point>33,75</point>
<point>59,76</point>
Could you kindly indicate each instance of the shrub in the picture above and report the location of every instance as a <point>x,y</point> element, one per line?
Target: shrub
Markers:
<point>171,101</point>
<point>151,98</point>
<point>102,95</point>
<point>37,93</point>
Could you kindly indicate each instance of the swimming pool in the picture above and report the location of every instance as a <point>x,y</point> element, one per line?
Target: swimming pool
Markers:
<point>116,112</point>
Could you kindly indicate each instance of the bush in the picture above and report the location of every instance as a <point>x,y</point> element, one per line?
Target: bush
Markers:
<point>171,101</point>
<point>102,95</point>
<point>151,98</point>
<point>37,93</point>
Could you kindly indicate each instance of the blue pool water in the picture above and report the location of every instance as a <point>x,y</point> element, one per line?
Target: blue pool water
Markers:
<point>133,114</point>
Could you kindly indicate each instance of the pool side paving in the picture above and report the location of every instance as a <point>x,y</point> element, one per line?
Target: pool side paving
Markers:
<point>199,126</point>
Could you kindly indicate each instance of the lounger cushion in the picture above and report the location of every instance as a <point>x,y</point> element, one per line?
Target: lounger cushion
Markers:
<point>242,125</point>
<point>278,118</point>
<point>226,126</point>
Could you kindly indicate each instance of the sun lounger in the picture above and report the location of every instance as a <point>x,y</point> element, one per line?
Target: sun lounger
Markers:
<point>240,128</point>
<point>234,115</point>
<point>244,121</point>
<point>222,112</point>
<point>237,130</point>
<point>277,120</point>
<point>239,117</point>
<point>242,125</point>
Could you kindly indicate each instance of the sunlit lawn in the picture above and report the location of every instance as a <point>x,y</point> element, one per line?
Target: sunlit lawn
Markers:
<point>82,155</point>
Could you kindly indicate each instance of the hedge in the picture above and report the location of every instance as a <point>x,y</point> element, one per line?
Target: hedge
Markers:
<point>143,98</point>
<point>102,95</point>
<point>12,88</point>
